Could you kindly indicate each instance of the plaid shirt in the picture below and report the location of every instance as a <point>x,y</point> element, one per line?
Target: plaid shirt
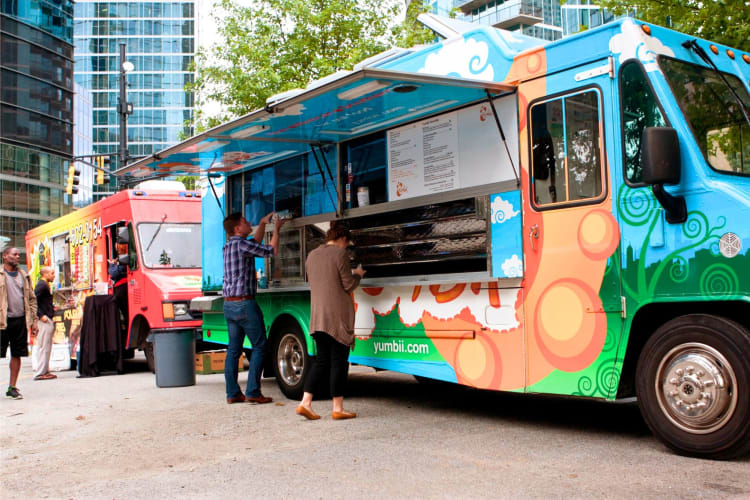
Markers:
<point>239,265</point>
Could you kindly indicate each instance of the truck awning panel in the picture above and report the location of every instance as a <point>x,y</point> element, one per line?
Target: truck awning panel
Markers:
<point>331,110</point>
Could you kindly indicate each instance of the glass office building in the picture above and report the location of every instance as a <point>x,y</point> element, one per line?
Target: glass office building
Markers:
<point>159,37</point>
<point>537,18</point>
<point>440,7</point>
<point>580,15</point>
<point>36,114</point>
<point>83,145</point>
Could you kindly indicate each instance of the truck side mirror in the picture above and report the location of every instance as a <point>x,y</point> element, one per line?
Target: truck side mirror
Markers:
<point>122,235</point>
<point>660,160</point>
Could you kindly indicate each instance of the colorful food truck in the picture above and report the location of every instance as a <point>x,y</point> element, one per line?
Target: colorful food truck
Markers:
<point>563,218</point>
<point>161,227</point>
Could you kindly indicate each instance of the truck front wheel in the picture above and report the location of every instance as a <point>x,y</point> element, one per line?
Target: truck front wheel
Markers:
<point>693,386</point>
<point>291,363</point>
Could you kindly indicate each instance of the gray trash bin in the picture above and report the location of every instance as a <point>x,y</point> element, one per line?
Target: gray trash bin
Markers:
<point>174,358</point>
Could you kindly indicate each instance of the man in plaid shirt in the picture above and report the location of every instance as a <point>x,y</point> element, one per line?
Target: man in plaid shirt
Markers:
<point>243,316</point>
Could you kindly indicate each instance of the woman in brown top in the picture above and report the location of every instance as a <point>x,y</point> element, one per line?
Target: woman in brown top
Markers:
<point>331,279</point>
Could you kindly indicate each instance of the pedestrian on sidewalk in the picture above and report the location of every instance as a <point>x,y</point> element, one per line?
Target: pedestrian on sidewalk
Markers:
<point>332,279</point>
<point>243,316</point>
<point>45,312</point>
<point>17,315</point>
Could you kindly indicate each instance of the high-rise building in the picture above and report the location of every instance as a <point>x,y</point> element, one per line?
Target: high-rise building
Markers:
<point>580,15</point>
<point>83,145</point>
<point>440,7</point>
<point>545,19</point>
<point>159,37</point>
<point>36,114</point>
<point>537,18</point>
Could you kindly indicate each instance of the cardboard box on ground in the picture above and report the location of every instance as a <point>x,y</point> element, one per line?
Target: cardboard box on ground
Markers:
<point>213,362</point>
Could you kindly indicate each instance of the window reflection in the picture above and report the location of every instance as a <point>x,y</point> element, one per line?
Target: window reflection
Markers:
<point>292,186</point>
<point>566,149</point>
<point>639,110</point>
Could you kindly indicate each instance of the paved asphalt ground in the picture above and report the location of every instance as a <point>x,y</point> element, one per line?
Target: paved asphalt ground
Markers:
<point>121,437</point>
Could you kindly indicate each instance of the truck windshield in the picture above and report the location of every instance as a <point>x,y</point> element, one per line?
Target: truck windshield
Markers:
<point>174,245</point>
<point>720,129</point>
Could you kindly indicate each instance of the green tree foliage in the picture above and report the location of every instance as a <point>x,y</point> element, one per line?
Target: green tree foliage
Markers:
<point>275,45</point>
<point>721,21</point>
<point>410,32</point>
<point>190,181</point>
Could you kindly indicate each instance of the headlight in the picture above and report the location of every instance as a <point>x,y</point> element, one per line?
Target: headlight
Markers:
<point>180,309</point>
<point>173,310</point>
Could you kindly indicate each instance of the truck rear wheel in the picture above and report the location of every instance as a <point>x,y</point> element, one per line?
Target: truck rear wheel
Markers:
<point>693,386</point>
<point>291,363</point>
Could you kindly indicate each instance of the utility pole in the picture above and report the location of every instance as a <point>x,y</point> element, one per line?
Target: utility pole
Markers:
<point>124,108</point>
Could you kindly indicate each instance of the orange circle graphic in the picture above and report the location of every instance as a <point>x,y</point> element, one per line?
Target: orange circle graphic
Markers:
<point>569,326</point>
<point>477,362</point>
<point>533,63</point>
<point>598,234</point>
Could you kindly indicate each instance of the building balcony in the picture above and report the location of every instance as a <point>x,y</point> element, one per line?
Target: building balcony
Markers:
<point>501,15</point>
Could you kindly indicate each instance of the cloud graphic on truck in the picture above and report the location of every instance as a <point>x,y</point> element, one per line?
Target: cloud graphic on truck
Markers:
<point>460,57</point>
<point>513,267</point>
<point>633,43</point>
<point>502,210</point>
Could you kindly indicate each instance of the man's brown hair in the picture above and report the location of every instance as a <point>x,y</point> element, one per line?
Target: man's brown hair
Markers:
<point>232,221</point>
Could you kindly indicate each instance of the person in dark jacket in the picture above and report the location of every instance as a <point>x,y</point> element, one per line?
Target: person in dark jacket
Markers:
<point>118,273</point>
<point>45,311</point>
<point>332,280</point>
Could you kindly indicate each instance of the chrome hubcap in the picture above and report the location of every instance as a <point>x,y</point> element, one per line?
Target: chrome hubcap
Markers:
<point>290,359</point>
<point>696,385</point>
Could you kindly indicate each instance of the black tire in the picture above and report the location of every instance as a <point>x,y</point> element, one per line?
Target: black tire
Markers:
<point>148,350</point>
<point>428,382</point>
<point>291,363</point>
<point>693,386</point>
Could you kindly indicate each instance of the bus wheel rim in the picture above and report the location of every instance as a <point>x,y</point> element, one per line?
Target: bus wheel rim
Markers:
<point>696,388</point>
<point>290,359</point>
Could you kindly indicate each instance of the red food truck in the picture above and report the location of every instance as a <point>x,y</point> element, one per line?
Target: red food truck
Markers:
<point>162,230</point>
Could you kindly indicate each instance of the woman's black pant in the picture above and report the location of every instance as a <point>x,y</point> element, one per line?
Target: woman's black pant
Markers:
<point>121,296</point>
<point>331,363</point>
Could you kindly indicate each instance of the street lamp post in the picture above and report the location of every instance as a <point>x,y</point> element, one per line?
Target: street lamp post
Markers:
<point>124,108</point>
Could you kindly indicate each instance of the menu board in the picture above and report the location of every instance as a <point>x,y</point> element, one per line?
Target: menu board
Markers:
<point>423,157</point>
<point>454,150</point>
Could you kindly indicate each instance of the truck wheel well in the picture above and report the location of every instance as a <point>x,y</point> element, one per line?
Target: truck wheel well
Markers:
<point>651,316</point>
<point>276,328</point>
<point>139,331</point>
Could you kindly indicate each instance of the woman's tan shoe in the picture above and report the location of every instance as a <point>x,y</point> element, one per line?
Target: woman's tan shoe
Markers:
<point>343,415</point>
<point>308,414</point>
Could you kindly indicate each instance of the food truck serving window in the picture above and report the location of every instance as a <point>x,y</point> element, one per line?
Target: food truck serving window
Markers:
<point>434,156</point>
<point>294,186</point>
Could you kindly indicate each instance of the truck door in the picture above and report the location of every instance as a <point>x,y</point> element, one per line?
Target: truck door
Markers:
<point>572,303</point>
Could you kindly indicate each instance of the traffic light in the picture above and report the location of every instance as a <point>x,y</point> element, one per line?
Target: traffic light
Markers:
<point>102,163</point>
<point>73,180</point>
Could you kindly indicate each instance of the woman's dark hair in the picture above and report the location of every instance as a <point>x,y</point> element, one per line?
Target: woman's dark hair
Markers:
<point>338,230</point>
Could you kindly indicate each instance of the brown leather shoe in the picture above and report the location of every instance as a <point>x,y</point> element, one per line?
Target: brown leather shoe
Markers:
<point>343,415</point>
<point>259,400</point>
<point>237,399</point>
<point>308,414</point>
